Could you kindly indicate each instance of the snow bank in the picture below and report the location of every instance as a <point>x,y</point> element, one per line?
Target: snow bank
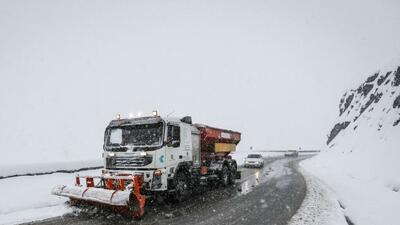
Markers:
<point>361,160</point>
<point>44,168</point>
<point>26,199</point>
<point>320,205</point>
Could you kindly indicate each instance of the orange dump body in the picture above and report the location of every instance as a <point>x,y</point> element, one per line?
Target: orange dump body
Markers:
<point>216,142</point>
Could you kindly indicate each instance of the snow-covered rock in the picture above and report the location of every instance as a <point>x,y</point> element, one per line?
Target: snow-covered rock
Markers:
<point>361,160</point>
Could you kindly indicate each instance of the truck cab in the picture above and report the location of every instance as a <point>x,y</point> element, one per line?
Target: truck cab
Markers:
<point>154,146</point>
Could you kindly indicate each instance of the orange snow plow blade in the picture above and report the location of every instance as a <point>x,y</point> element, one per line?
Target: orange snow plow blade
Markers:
<point>122,192</point>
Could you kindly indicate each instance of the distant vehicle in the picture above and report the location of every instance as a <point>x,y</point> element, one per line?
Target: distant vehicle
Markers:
<point>254,160</point>
<point>292,153</point>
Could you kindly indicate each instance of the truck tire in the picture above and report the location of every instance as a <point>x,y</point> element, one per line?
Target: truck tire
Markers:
<point>232,174</point>
<point>182,187</point>
<point>224,175</point>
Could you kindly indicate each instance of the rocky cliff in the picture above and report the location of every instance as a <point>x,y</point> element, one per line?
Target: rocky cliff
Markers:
<point>377,96</point>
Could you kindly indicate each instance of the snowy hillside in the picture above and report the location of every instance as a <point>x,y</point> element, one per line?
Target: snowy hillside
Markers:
<point>361,160</point>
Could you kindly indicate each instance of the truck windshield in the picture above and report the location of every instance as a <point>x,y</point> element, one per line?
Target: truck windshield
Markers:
<point>136,135</point>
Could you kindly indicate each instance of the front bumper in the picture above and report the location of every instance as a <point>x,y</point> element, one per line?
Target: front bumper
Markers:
<point>151,182</point>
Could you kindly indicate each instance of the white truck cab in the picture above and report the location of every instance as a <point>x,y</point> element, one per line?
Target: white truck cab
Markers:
<point>153,146</point>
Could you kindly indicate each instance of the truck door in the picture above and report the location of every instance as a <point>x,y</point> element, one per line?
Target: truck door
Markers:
<point>174,144</point>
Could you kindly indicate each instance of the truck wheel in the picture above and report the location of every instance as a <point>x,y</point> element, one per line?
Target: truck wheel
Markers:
<point>224,176</point>
<point>182,187</point>
<point>232,174</point>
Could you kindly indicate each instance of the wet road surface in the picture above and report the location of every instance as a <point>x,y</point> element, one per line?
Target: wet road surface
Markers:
<point>270,195</point>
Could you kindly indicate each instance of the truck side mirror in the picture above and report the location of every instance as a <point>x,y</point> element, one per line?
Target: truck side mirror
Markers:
<point>175,143</point>
<point>168,142</point>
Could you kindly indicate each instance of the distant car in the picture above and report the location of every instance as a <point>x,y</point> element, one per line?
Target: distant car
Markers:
<point>292,153</point>
<point>254,160</point>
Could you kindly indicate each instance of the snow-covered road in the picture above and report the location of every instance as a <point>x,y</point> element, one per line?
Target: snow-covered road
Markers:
<point>270,195</point>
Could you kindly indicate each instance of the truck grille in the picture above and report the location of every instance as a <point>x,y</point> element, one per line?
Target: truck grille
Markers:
<point>117,162</point>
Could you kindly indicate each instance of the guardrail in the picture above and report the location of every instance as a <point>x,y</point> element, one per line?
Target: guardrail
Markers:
<point>283,151</point>
<point>51,172</point>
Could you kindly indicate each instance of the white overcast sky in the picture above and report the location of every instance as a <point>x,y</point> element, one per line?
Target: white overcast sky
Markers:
<point>274,70</point>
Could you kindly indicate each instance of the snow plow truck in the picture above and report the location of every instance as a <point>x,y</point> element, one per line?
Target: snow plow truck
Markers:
<point>148,157</point>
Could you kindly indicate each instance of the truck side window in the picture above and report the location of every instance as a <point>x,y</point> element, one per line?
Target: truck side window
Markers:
<point>174,135</point>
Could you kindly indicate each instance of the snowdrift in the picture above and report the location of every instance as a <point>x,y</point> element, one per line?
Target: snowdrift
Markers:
<point>28,198</point>
<point>361,159</point>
